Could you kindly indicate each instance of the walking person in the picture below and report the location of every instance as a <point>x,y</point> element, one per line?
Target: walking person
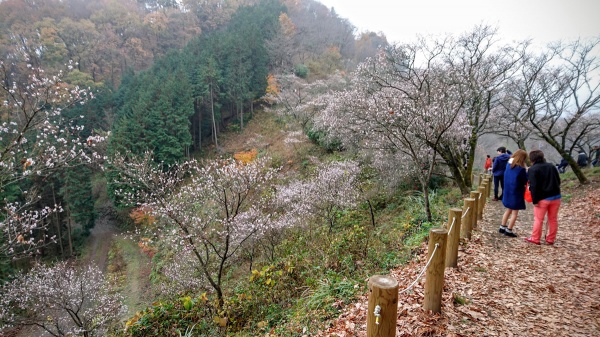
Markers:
<point>515,179</point>
<point>498,168</point>
<point>544,184</point>
<point>562,167</point>
<point>488,164</point>
<point>582,159</point>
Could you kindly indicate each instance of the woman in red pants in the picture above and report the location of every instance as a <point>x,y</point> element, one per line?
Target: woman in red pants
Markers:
<point>544,184</point>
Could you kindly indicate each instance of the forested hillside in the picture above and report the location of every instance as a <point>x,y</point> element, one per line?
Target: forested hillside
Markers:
<point>264,155</point>
<point>165,76</point>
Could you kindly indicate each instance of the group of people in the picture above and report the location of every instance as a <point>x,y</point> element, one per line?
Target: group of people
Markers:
<point>582,159</point>
<point>512,175</point>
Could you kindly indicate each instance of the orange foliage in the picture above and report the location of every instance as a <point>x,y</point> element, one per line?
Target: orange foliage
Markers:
<point>144,244</point>
<point>272,85</point>
<point>246,157</point>
<point>141,216</point>
<point>287,25</point>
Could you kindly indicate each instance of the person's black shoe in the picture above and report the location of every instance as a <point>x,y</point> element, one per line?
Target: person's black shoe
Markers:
<point>510,233</point>
<point>502,229</point>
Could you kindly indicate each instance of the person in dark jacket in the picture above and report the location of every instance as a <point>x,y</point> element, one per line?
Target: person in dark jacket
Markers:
<point>582,159</point>
<point>595,156</point>
<point>562,167</point>
<point>515,179</point>
<point>544,184</point>
<point>498,168</point>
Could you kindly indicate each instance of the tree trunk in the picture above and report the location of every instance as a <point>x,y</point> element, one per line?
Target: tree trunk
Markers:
<point>372,213</point>
<point>58,226</point>
<point>426,201</point>
<point>69,227</point>
<point>212,109</point>
<point>241,104</point>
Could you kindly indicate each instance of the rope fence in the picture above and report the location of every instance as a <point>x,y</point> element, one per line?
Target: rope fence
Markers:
<point>443,245</point>
<point>422,271</point>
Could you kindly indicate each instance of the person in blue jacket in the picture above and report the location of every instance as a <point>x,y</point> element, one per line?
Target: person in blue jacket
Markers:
<point>515,179</point>
<point>498,171</point>
<point>582,159</point>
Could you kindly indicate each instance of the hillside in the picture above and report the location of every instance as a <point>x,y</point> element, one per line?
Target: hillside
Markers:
<point>505,286</point>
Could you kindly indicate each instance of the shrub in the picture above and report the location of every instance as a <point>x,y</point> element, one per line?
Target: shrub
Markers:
<point>301,70</point>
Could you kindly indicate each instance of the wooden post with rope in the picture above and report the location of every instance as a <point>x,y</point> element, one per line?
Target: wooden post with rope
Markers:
<point>477,197</point>
<point>490,179</point>
<point>467,215</point>
<point>383,306</point>
<point>481,205</point>
<point>486,186</point>
<point>434,281</point>
<point>453,226</point>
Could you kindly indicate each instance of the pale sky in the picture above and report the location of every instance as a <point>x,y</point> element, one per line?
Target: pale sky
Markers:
<point>541,20</point>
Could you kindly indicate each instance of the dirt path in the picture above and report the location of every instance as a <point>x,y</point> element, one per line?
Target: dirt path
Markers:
<point>135,286</point>
<point>511,287</point>
<point>99,242</point>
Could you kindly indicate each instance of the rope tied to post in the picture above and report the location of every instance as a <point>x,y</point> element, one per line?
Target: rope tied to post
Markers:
<point>422,271</point>
<point>466,212</point>
<point>452,225</point>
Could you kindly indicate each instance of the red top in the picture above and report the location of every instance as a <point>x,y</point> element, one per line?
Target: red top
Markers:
<point>488,164</point>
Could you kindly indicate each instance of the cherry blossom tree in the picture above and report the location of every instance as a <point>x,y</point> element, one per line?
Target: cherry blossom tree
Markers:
<point>208,211</point>
<point>333,189</point>
<point>482,67</point>
<point>61,299</point>
<point>426,101</point>
<point>35,140</point>
<point>302,99</point>
<point>400,109</point>
<point>563,102</point>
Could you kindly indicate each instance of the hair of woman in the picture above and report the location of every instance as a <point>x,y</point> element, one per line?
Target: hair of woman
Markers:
<point>519,158</point>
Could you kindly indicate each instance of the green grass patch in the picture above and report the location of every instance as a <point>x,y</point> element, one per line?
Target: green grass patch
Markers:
<point>136,272</point>
<point>459,300</point>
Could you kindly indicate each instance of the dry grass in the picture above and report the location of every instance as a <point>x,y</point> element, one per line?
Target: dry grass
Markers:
<point>274,137</point>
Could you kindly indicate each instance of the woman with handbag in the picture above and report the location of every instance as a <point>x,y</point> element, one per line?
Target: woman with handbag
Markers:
<point>544,184</point>
<point>515,179</point>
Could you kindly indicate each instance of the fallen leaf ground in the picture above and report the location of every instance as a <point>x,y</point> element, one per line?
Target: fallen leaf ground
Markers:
<point>509,287</point>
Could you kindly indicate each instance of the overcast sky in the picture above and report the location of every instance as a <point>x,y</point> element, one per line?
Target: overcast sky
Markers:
<point>541,20</point>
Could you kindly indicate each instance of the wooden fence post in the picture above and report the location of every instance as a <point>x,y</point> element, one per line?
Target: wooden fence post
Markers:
<point>485,185</point>
<point>383,306</point>
<point>467,221</point>
<point>490,179</point>
<point>482,204</point>
<point>434,281</point>
<point>453,225</point>
<point>477,197</point>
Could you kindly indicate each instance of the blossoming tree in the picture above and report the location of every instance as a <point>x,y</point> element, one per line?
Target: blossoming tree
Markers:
<point>333,189</point>
<point>35,140</point>
<point>207,211</point>
<point>401,108</point>
<point>62,300</point>
<point>563,96</point>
